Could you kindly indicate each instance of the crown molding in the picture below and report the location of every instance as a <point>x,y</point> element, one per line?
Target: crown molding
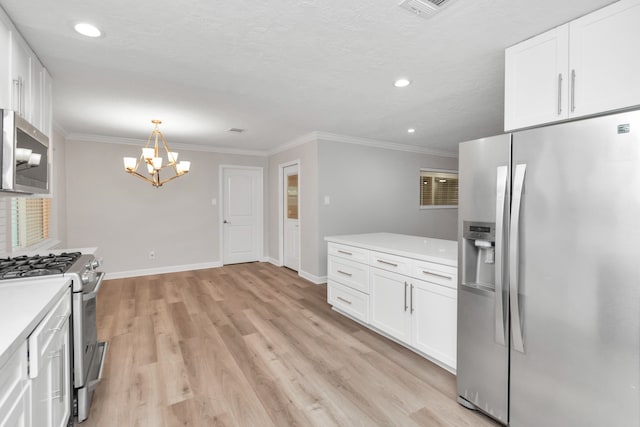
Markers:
<point>309,137</point>
<point>79,137</point>
<point>326,136</point>
<point>59,129</point>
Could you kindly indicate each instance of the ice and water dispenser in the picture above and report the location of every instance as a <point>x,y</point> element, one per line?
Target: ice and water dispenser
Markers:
<point>478,254</point>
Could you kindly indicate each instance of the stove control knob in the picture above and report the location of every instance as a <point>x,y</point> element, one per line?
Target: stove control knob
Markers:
<point>95,263</point>
<point>85,277</point>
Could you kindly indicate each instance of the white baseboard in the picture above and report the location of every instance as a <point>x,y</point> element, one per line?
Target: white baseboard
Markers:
<point>318,280</point>
<point>163,270</point>
<point>274,261</point>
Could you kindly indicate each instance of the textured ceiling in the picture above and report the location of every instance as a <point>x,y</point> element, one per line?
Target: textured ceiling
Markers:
<point>282,68</point>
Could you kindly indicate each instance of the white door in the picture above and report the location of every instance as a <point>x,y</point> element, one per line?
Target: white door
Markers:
<point>291,210</point>
<point>241,215</point>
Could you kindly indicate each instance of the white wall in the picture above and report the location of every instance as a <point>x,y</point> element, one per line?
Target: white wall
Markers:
<point>370,189</point>
<point>127,218</point>
<point>307,154</point>
<point>377,190</point>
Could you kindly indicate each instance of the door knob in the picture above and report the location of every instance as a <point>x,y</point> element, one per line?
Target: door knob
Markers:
<point>226,222</point>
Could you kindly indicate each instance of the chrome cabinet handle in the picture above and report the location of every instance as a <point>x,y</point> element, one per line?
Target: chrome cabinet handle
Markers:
<point>344,300</point>
<point>344,252</point>
<point>405,297</point>
<point>518,343</point>
<point>501,201</point>
<point>387,263</point>
<point>560,94</point>
<point>573,90</point>
<point>345,273</point>
<point>444,276</point>
<point>411,295</point>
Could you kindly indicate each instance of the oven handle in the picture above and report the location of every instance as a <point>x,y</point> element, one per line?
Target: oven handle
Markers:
<point>94,293</point>
<point>94,383</point>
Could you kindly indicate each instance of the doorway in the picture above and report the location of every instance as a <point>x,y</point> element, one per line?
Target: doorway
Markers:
<point>241,214</point>
<point>290,215</point>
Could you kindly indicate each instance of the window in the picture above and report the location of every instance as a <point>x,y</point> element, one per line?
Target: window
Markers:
<point>29,221</point>
<point>438,189</point>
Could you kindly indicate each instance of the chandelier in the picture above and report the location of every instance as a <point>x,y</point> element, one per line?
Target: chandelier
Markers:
<point>152,159</point>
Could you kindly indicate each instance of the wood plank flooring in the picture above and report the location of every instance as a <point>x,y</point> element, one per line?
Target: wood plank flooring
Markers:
<point>255,345</point>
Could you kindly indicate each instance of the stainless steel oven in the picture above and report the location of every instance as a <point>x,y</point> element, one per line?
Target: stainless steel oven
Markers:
<point>88,353</point>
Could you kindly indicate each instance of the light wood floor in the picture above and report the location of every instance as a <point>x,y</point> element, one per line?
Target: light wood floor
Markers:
<point>255,345</point>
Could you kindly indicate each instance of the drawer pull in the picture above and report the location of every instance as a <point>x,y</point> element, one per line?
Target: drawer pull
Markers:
<point>344,300</point>
<point>387,263</point>
<point>344,252</point>
<point>437,275</point>
<point>345,273</point>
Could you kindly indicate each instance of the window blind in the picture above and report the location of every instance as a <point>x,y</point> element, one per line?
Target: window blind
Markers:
<point>438,188</point>
<point>30,221</point>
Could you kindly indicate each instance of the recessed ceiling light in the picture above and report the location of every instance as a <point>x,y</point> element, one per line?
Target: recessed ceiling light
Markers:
<point>411,130</point>
<point>402,83</point>
<point>87,30</point>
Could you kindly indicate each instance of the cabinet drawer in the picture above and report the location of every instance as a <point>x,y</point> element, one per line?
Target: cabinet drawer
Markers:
<point>436,273</point>
<point>348,252</point>
<point>350,273</point>
<point>352,302</point>
<point>394,263</point>
<point>42,336</point>
<point>13,375</point>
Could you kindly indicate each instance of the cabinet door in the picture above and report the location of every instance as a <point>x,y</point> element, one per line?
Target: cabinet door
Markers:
<point>389,299</point>
<point>20,76</point>
<point>18,413</point>
<point>61,381</point>
<point>434,321</point>
<point>35,100</point>
<point>47,100</point>
<point>605,59</point>
<point>536,81</point>
<point>5,64</point>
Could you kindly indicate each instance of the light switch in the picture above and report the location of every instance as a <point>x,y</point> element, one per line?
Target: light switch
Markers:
<point>327,200</point>
<point>214,201</point>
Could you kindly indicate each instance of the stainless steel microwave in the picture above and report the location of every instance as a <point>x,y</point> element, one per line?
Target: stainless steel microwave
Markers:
<point>24,156</point>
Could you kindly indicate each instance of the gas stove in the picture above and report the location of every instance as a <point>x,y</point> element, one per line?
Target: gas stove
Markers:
<point>37,265</point>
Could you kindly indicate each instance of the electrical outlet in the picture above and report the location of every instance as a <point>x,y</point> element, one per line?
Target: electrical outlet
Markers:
<point>152,255</point>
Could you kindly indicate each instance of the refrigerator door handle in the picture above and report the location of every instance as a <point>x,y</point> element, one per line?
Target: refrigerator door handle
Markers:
<point>514,241</point>
<point>501,199</point>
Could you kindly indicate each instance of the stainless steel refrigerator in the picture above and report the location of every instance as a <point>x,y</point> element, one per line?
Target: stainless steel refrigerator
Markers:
<point>549,274</point>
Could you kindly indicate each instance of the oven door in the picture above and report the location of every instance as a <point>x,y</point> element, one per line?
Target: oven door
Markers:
<point>85,334</point>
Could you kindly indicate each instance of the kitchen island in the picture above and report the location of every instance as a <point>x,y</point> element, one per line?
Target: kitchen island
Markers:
<point>404,287</point>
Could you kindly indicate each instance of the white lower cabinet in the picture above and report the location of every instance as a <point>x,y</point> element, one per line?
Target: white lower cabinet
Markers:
<point>15,396</point>
<point>390,310</point>
<point>49,367</point>
<point>410,300</point>
<point>434,320</point>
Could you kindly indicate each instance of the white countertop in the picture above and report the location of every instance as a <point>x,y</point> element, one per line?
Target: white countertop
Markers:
<point>23,304</point>
<point>416,247</point>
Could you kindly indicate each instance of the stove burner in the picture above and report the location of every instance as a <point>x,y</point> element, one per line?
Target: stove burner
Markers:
<point>37,265</point>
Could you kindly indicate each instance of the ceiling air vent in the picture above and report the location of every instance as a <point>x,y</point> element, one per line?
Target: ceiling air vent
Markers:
<point>236,130</point>
<point>425,8</point>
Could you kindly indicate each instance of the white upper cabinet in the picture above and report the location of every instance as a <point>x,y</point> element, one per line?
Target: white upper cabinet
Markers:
<point>585,67</point>
<point>20,76</point>
<point>5,65</point>
<point>25,85</point>
<point>605,57</point>
<point>536,79</point>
